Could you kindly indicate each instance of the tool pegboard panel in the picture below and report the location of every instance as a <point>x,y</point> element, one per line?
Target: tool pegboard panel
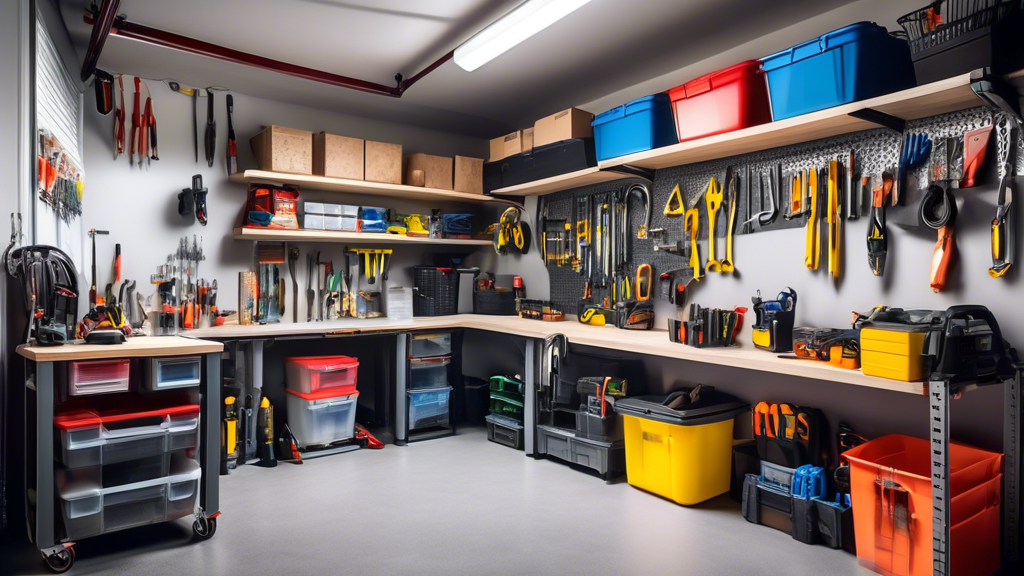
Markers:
<point>874,151</point>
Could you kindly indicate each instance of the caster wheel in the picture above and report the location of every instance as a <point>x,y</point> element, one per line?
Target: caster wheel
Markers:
<point>62,561</point>
<point>204,528</point>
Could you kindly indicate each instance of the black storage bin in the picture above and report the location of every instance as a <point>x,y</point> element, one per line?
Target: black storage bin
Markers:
<point>543,162</point>
<point>805,521</point>
<point>835,525</point>
<point>594,427</point>
<point>476,401</point>
<point>565,394</point>
<point>436,292</point>
<point>986,37</point>
<point>744,461</point>
<point>494,302</point>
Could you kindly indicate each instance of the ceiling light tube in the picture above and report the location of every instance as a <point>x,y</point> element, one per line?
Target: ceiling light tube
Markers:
<point>526,20</point>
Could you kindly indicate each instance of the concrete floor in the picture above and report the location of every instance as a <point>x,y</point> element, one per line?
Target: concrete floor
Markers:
<point>452,506</point>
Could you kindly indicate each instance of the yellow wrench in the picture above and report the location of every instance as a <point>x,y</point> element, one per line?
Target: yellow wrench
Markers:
<point>813,226</point>
<point>692,225</point>
<point>834,218</point>
<point>728,265</point>
<point>713,198</point>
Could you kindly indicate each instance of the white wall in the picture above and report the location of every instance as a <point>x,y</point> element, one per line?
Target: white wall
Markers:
<point>139,205</point>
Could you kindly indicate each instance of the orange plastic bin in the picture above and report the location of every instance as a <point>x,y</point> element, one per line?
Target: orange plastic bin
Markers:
<point>892,507</point>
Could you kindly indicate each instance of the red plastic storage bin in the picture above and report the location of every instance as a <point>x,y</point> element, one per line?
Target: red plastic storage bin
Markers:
<point>315,373</point>
<point>892,506</point>
<point>729,99</point>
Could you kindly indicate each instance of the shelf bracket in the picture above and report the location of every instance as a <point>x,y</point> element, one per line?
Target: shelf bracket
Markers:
<point>881,118</point>
<point>646,173</point>
<point>995,93</point>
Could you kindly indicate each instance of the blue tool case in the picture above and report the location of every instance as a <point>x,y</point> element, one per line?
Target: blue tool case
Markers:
<point>846,65</point>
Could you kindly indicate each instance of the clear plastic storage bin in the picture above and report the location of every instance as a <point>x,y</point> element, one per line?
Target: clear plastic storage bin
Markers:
<point>428,372</point>
<point>316,373</point>
<point>321,418</point>
<point>431,345</point>
<point>90,510</point>
<point>167,373</point>
<point>428,407</point>
<point>98,377</point>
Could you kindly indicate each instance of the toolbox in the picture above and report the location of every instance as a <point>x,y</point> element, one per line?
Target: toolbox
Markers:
<point>894,351</point>
<point>680,450</point>
<point>729,99</point>
<point>640,125</point>
<point>542,162</point>
<point>504,430</point>
<point>606,458</point>
<point>891,487</point>
<point>853,63</point>
<point>319,373</point>
<point>429,407</point>
<point>322,417</point>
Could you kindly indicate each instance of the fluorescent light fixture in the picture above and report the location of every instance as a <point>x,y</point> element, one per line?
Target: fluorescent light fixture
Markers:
<point>526,20</point>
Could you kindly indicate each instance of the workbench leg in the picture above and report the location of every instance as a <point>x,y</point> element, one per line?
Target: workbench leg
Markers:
<point>253,387</point>
<point>530,410</point>
<point>1011,470</point>
<point>401,401</point>
<point>938,405</point>
<point>209,452</point>
<point>45,511</point>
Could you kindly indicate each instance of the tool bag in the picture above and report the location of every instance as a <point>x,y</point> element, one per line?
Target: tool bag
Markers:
<point>272,206</point>
<point>789,435</point>
<point>634,315</point>
<point>48,295</point>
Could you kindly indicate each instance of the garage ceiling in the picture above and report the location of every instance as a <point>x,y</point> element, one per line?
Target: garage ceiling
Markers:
<point>603,47</point>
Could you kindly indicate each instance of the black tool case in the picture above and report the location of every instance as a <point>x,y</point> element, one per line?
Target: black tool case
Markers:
<point>542,162</point>
<point>606,458</point>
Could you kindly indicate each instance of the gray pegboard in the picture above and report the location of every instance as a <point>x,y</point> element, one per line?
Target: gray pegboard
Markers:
<point>874,151</point>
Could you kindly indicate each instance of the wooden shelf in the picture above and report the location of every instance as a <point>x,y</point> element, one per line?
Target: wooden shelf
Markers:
<point>577,179</point>
<point>362,187</point>
<point>653,343</point>
<point>275,235</point>
<point>932,99</point>
<point>137,347</point>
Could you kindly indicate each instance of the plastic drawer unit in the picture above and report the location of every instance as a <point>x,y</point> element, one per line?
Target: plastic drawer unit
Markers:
<point>853,63</point>
<point>507,404</point>
<point>169,373</point>
<point>893,473</point>
<point>90,510</point>
<point>431,345</point>
<point>503,430</point>
<point>729,99</point>
<point>98,377</point>
<point>428,407</point>
<point>321,418</point>
<point>683,454</point>
<point>118,448</point>
<point>606,458</point>
<point>640,125</point>
<point>313,374</point>
<point>428,372</point>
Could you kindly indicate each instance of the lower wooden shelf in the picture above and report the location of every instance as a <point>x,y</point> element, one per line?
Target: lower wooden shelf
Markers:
<point>277,235</point>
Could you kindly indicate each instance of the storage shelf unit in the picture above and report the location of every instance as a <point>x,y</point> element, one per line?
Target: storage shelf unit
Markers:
<point>276,235</point>
<point>376,189</point>
<point>932,99</point>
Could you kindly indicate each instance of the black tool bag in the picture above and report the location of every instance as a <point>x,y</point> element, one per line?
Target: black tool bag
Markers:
<point>48,293</point>
<point>808,444</point>
<point>969,348</point>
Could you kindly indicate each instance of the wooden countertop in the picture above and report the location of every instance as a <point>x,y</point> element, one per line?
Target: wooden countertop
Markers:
<point>652,342</point>
<point>139,347</point>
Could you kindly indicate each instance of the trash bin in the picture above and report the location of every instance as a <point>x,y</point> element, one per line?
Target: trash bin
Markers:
<point>477,397</point>
<point>683,453</point>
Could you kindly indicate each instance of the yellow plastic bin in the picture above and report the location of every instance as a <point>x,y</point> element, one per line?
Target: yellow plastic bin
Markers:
<point>679,449</point>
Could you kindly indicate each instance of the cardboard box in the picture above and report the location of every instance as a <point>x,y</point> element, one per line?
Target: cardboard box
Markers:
<point>383,162</point>
<point>469,175</point>
<point>436,169</point>
<point>337,156</point>
<point>505,146</point>
<point>281,149</point>
<point>528,140</point>
<point>571,123</point>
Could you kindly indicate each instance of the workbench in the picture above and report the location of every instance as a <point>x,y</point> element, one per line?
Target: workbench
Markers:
<point>657,343</point>
<point>40,367</point>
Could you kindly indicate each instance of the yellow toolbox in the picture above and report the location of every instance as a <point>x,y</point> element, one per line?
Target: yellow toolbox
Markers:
<point>680,450</point>
<point>894,351</point>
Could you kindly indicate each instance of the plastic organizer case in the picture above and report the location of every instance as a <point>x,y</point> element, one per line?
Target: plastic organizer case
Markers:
<point>313,374</point>
<point>98,377</point>
<point>431,345</point>
<point>116,448</point>
<point>428,407</point>
<point>507,404</point>
<point>321,418</point>
<point>169,373</point>
<point>428,372</point>
<point>606,458</point>
<point>89,509</point>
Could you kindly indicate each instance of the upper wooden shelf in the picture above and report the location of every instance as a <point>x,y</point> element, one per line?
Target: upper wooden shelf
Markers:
<point>136,347</point>
<point>577,179</point>
<point>364,187</point>
<point>278,235</point>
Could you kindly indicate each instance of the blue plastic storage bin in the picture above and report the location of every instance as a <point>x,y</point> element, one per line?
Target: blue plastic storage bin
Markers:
<point>640,125</point>
<point>853,63</point>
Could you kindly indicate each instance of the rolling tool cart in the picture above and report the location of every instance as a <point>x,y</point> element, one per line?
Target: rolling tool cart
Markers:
<point>429,364</point>
<point>106,453</point>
